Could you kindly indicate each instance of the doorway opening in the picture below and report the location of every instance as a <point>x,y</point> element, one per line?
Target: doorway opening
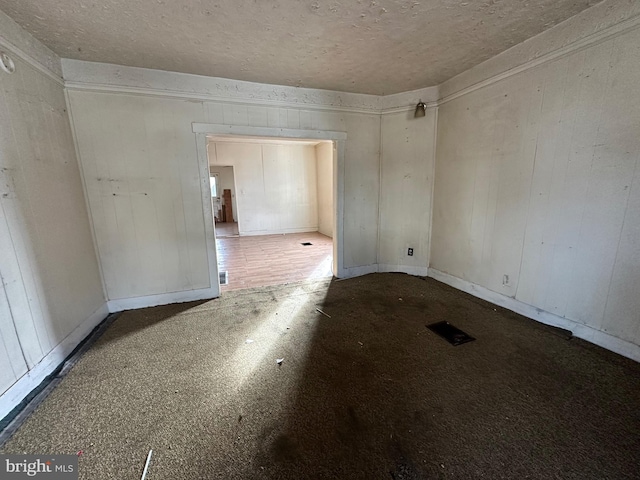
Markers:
<point>273,209</point>
<point>223,200</point>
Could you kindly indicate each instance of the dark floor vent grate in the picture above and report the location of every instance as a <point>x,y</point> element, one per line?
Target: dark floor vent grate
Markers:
<point>451,334</point>
<point>224,278</point>
<point>306,244</point>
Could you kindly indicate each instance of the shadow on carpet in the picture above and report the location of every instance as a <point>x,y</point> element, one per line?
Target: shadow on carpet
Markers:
<point>369,393</point>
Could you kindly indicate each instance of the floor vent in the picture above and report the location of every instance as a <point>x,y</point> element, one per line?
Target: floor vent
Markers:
<point>451,334</point>
<point>224,278</point>
<point>306,244</point>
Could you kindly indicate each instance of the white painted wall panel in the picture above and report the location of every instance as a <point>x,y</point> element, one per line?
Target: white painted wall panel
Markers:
<point>133,144</point>
<point>361,187</point>
<point>13,362</point>
<point>535,179</point>
<point>324,173</point>
<point>247,162</point>
<point>407,158</point>
<point>622,312</point>
<point>51,280</point>
<point>277,188</point>
<point>143,184</point>
<point>290,187</point>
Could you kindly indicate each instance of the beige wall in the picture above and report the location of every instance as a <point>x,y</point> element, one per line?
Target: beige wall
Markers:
<point>276,185</point>
<point>51,288</point>
<point>324,174</point>
<point>538,178</point>
<point>143,187</point>
<point>407,162</point>
<point>535,177</point>
<point>140,166</point>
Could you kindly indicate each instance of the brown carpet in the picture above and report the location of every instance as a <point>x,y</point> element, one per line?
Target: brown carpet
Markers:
<point>369,393</point>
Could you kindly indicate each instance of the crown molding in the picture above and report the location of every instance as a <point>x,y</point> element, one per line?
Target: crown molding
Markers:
<point>28,49</point>
<point>108,78</point>
<point>406,101</point>
<point>593,39</point>
<point>178,94</point>
<point>9,47</point>
<point>85,76</point>
<point>80,75</point>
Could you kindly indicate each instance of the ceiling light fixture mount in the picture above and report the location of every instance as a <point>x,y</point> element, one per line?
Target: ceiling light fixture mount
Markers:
<point>421,109</point>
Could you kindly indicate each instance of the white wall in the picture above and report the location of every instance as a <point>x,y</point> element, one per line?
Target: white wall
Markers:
<point>276,186</point>
<point>538,178</point>
<point>140,164</point>
<point>324,175</point>
<point>226,181</point>
<point>407,163</point>
<point>492,159</point>
<point>51,294</point>
<point>143,186</point>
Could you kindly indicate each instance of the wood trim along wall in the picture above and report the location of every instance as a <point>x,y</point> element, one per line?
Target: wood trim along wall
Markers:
<point>580,330</point>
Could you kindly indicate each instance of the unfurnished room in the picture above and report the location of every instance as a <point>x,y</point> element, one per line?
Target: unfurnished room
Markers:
<point>320,240</point>
<point>273,209</point>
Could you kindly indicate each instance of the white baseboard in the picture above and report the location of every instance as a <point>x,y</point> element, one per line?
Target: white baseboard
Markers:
<point>580,330</point>
<point>118,305</point>
<point>357,271</point>
<point>382,268</point>
<point>30,380</point>
<point>411,270</point>
<point>282,231</point>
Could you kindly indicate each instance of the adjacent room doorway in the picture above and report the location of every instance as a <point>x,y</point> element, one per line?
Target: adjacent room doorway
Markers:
<point>273,209</point>
<point>223,200</point>
<point>331,261</point>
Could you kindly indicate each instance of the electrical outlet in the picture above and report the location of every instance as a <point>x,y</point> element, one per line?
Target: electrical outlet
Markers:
<point>410,252</point>
<point>505,280</point>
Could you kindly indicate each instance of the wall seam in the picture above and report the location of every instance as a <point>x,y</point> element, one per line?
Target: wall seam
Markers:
<point>380,150</point>
<point>15,329</point>
<point>615,260</point>
<point>433,182</point>
<point>94,238</point>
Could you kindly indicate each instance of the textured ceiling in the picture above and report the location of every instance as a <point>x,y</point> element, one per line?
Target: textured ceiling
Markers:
<point>365,46</point>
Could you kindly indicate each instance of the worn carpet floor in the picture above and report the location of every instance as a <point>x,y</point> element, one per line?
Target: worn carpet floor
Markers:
<point>369,393</point>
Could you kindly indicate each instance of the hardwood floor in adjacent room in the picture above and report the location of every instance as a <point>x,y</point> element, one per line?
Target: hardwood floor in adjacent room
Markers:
<point>226,229</point>
<point>254,261</point>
